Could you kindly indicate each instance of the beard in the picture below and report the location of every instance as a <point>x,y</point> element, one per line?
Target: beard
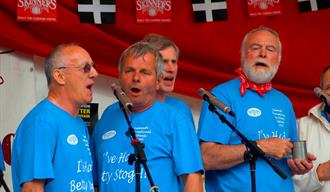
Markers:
<point>259,75</point>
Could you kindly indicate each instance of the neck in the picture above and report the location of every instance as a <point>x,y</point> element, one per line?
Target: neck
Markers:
<point>63,102</point>
<point>161,96</point>
<point>138,109</point>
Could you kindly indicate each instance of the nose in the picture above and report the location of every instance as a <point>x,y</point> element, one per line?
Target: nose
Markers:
<point>93,73</point>
<point>169,67</point>
<point>136,77</point>
<point>263,52</point>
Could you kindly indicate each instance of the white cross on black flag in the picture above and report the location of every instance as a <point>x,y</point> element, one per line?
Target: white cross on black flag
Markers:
<point>97,11</point>
<point>313,5</point>
<point>209,10</point>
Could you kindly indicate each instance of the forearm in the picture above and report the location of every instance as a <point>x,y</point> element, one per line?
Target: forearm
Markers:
<point>218,156</point>
<point>33,186</point>
<point>193,182</point>
<point>323,171</point>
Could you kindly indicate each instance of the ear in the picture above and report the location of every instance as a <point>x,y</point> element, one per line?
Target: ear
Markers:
<point>59,76</point>
<point>158,84</point>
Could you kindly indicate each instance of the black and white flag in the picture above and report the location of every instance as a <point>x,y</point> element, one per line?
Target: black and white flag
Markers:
<point>209,10</point>
<point>313,5</point>
<point>97,11</point>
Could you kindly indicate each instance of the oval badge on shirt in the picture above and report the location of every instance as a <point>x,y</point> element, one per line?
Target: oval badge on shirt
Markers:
<point>72,139</point>
<point>109,135</point>
<point>254,112</point>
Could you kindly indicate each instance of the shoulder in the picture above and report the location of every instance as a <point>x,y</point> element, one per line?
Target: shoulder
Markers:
<point>278,93</point>
<point>167,109</point>
<point>44,111</point>
<point>310,120</point>
<point>228,87</point>
<point>175,101</point>
<point>112,107</point>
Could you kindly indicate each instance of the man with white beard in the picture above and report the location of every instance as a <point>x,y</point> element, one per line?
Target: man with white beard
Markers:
<point>263,114</point>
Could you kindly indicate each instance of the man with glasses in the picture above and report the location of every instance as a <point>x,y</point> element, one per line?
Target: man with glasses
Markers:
<point>263,114</point>
<point>51,147</point>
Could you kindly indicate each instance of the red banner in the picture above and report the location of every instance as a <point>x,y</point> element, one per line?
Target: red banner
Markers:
<point>37,11</point>
<point>263,7</point>
<point>153,11</point>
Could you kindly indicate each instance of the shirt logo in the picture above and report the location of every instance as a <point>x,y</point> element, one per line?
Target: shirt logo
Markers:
<point>108,135</point>
<point>72,139</point>
<point>254,112</point>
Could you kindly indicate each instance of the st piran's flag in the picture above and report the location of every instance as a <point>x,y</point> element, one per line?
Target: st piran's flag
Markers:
<point>209,10</point>
<point>313,5</point>
<point>97,11</point>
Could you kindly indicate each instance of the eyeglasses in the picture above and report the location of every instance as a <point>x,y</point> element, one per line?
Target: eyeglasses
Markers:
<point>86,68</point>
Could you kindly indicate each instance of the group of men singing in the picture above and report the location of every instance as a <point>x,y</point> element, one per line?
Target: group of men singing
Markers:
<point>52,150</point>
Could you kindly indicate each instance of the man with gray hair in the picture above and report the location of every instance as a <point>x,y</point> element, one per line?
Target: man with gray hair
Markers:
<point>263,114</point>
<point>51,146</point>
<point>170,54</point>
<point>171,145</point>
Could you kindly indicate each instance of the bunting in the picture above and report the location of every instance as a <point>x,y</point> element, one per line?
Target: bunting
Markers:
<point>313,5</point>
<point>97,11</point>
<point>209,10</point>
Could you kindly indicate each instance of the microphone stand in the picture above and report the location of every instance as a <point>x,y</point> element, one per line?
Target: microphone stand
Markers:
<point>253,150</point>
<point>3,183</point>
<point>138,157</point>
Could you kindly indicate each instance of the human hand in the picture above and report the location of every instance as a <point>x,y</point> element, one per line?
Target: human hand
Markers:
<point>275,147</point>
<point>323,171</point>
<point>299,166</point>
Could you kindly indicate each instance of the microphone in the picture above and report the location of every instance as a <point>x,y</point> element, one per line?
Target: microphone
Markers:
<point>122,97</point>
<point>322,95</point>
<point>207,96</point>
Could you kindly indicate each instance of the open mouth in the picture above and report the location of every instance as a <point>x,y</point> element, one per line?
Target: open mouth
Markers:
<point>168,79</point>
<point>260,64</point>
<point>136,90</point>
<point>89,87</point>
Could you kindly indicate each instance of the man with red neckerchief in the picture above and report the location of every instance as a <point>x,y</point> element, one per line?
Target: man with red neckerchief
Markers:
<point>263,115</point>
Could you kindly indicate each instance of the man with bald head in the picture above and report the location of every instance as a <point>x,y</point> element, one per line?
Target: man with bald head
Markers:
<point>263,114</point>
<point>51,147</point>
<point>315,129</point>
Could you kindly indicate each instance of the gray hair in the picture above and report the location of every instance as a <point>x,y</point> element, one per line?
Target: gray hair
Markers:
<point>322,76</point>
<point>161,42</point>
<point>54,60</point>
<point>140,49</point>
<point>261,28</point>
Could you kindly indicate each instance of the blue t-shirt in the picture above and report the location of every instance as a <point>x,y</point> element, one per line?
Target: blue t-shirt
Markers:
<point>171,148</point>
<point>179,104</point>
<point>257,117</point>
<point>52,145</point>
<point>2,165</point>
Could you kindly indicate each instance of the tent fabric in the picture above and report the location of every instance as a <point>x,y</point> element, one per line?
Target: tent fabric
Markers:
<point>209,51</point>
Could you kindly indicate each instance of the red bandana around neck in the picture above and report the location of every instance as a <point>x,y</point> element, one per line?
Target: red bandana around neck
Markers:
<point>245,83</point>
